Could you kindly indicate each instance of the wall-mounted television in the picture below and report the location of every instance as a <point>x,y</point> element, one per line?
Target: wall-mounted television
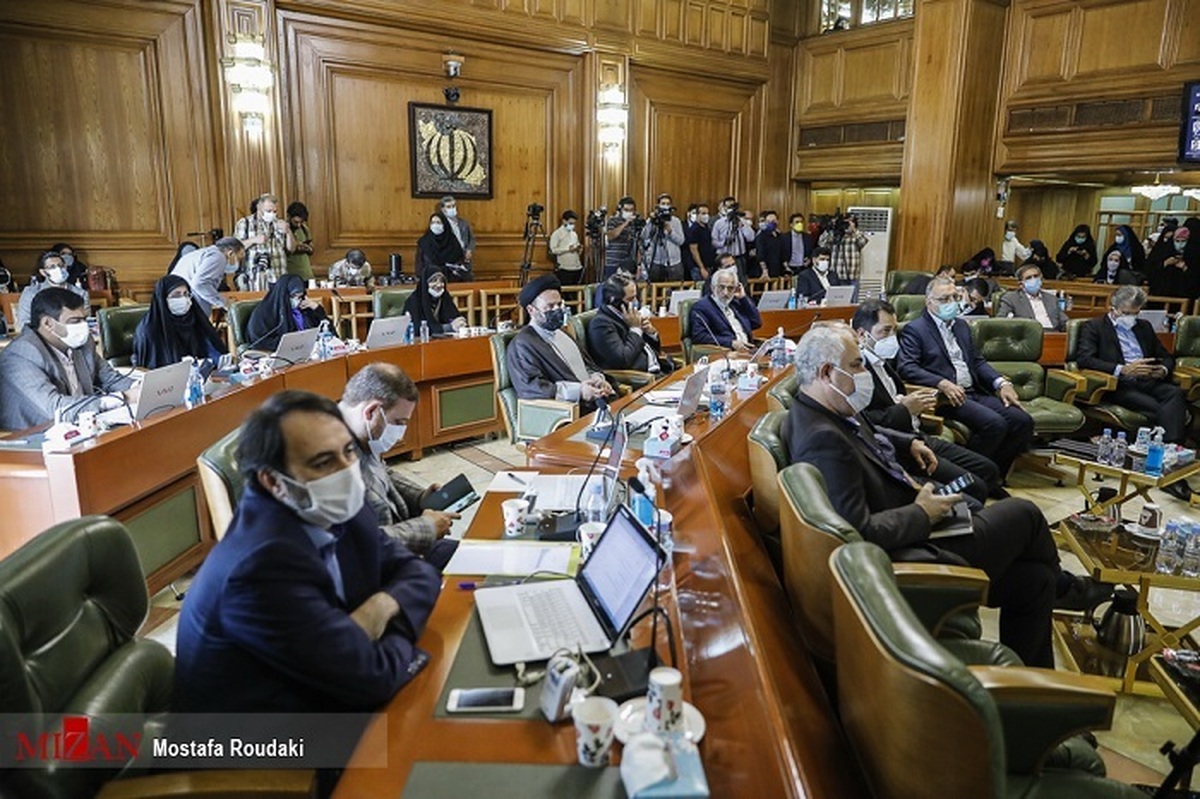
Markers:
<point>1189,131</point>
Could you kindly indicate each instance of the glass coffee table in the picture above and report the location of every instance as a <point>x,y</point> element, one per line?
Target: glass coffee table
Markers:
<point>1131,484</point>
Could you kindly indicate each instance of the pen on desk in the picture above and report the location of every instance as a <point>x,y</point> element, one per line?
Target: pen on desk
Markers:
<point>468,585</point>
<point>517,480</point>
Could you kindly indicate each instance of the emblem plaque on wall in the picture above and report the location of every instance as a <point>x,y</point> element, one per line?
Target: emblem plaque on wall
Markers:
<point>451,151</point>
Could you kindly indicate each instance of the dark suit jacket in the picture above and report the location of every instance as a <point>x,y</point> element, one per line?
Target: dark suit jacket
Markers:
<point>534,367</point>
<point>1020,305</point>
<point>263,629</point>
<point>878,506</point>
<point>923,359</point>
<point>709,325</point>
<point>882,412</point>
<point>785,249</point>
<point>1099,349</point>
<point>808,284</point>
<point>613,344</point>
<point>771,248</point>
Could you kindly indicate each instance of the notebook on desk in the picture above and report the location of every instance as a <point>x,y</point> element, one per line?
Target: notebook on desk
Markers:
<point>560,492</point>
<point>163,390</point>
<point>531,621</point>
<point>295,347</point>
<point>689,403</point>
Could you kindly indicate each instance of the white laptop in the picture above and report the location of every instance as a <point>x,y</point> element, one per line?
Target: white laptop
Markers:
<point>678,296</point>
<point>840,295</point>
<point>387,332</point>
<point>688,403</point>
<point>531,621</point>
<point>163,390</point>
<point>1157,320</point>
<point>774,300</point>
<point>295,347</point>
<point>565,492</point>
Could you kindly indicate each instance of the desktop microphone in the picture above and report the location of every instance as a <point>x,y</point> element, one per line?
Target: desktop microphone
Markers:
<point>264,336</point>
<point>804,328</point>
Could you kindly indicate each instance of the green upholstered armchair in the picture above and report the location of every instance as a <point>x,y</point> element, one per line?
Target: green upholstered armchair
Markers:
<point>902,696</point>
<point>1187,356</point>
<point>389,302</point>
<point>221,481</point>
<point>908,306</point>
<point>117,326</point>
<point>624,379</point>
<point>693,352</point>
<point>768,455</point>
<point>896,279</point>
<point>524,419</point>
<point>781,394</point>
<point>1095,386</point>
<point>239,320</point>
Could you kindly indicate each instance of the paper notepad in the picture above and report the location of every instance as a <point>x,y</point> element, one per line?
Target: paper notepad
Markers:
<point>513,558</point>
<point>509,482</point>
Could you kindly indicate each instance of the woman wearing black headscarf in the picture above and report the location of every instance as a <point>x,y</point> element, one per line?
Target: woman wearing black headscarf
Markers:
<point>76,269</point>
<point>430,303</point>
<point>1077,255</point>
<point>439,249</point>
<point>1115,271</point>
<point>1039,256</point>
<point>1173,266</point>
<point>285,309</point>
<point>174,327</point>
<point>1128,244</point>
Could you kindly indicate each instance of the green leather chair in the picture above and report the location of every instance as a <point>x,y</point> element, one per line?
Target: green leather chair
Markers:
<point>1095,386</point>
<point>908,306</point>
<point>781,394</point>
<point>628,378</point>
<point>1187,343</point>
<point>768,455</point>
<point>895,280</point>
<point>389,302</point>
<point>690,352</point>
<point>902,697</point>
<point>117,326</point>
<point>239,319</point>
<point>221,481</point>
<point>524,420</point>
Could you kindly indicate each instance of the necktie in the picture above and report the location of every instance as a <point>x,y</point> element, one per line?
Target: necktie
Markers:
<point>883,451</point>
<point>330,559</point>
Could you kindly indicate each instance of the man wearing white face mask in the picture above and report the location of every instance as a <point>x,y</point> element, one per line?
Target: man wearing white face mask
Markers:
<point>813,283</point>
<point>305,605</point>
<point>54,272</point>
<point>565,247</point>
<point>1010,539</point>
<point>53,368</point>
<point>377,405</point>
<point>267,238</point>
<point>460,227</point>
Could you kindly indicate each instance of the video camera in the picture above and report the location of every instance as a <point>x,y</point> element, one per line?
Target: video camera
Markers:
<point>840,224</point>
<point>534,211</point>
<point>595,221</point>
<point>660,216</point>
<point>734,213</point>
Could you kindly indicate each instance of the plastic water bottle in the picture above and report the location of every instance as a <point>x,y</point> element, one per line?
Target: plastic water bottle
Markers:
<point>424,332</point>
<point>1120,447</point>
<point>408,334</point>
<point>1154,455</point>
<point>595,509</point>
<point>324,341</point>
<point>194,394</point>
<point>1191,550</point>
<point>1105,447</point>
<point>716,400</point>
<point>779,351</point>
<point>1169,548</point>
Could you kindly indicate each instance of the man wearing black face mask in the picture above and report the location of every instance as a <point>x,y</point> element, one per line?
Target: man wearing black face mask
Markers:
<point>543,361</point>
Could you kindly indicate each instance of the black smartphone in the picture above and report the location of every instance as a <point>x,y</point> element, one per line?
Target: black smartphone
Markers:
<point>452,497</point>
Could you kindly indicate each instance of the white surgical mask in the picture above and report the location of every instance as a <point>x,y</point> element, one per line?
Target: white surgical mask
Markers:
<point>230,268</point>
<point>327,501</point>
<point>436,228</point>
<point>390,437</point>
<point>179,305</point>
<point>1126,322</point>
<point>1119,238</point>
<point>1113,266</point>
<point>692,216</point>
<point>450,212</point>
<point>627,214</point>
<point>1080,239</point>
<point>1032,285</point>
<point>1009,235</point>
<point>295,301</point>
<point>269,216</point>
<point>704,218</point>
<point>68,260</point>
<point>821,265</point>
<point>864,389</point>
<point>569,225</point>
<point>1180,246</point>
<point>75,335</point>
<point>56,275</point>
<point>435,293</point>
<point>886,347</point>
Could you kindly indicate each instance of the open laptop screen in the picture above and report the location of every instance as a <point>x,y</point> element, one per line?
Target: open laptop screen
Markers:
<point>619,571</point>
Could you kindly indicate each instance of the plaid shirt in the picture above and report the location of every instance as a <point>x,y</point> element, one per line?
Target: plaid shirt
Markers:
<point>275,246</point>
<point>845,256</point>
<point>396,501</point>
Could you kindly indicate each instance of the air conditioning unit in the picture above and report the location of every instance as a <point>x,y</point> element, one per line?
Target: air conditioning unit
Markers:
<point>876,223</point>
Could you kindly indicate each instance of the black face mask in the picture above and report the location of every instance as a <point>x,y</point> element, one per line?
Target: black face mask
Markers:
<point>552,320</point>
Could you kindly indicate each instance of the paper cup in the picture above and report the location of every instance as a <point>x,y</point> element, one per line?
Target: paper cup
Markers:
<point>595,725</point>
<point>515,511</point>
<point>664,701</point>
<point>589,534</point>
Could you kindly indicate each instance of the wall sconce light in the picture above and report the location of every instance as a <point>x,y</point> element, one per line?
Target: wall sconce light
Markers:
<point>1156,190</point>
<point>250,79</point>
<point>612,115</point>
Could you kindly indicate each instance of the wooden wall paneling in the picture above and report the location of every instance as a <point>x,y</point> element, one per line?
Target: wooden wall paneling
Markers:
<point>856,75</point>
<point>646,18</point>
<point>672,21</point>
<point>694,25</point>
<point>777,190</point>
<point>718,27</point>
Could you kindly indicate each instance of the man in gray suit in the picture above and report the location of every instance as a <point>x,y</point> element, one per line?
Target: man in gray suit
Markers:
<point>204,269</point>
<point>53,367</point>
<point>1030,302</point>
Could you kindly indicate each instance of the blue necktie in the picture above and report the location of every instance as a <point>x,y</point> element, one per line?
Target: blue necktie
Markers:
<point>330,559</point>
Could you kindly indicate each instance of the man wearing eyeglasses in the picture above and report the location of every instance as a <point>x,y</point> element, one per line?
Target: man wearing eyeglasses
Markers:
<point>726,317</point>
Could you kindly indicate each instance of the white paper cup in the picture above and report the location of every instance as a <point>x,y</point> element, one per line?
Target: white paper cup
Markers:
<point>595,724</point>
<point>589,534</point>
<point>515,511</point>
<point>665,521</point>
<point>664,701</point>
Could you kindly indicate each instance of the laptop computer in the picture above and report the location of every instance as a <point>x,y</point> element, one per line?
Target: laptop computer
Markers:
<point>163,389</point>
<point>533,620</point>
<point>840,295</point>
<point>678,296</point>
<point>689,403</point>
<point>774,300</point>
<point>295,347</point>
<point>387,332</point>
<point>1157,320</point>
<point>560,492</point>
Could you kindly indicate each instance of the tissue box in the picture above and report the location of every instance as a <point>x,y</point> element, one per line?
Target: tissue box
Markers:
<point>660,448</point>
<point>646,757</point>
<point>749,383</point>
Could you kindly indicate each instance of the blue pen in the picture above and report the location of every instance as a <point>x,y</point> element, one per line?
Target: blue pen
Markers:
<point>468,585</point>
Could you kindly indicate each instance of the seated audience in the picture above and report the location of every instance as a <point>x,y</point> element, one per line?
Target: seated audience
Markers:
<point>981,266</point>
<point>377,405</point>
<point>894,407</point>
<point>1128,244</point>
<point>976,291</point>
<point>565,247</point>
<point>619,337</point>
<point>353,270</point>
<point>305,605</point>
<point>814,282</point>
<point>936,351</point>
<point>174,327</point>
<point>1173,266</point>
<point>1120,344</point>
<point>1077,255</point>
<point>53,369</point>
<point>76,269</point>
<point>1161,234</point>
<point>285,309</point>
<point>54,272</point>
<point>726,317</point>
<point>918,284</point>
<point>439,249</point>
<point>204,270</point>
<point>430,303</point>
<point>1010,540</point>
<point>1116,270</point>
<point>1030,302</point>
<point>543,361</point>
<point>1039,256</point>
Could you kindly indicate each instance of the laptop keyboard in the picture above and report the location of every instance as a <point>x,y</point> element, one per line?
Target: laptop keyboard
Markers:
<point>550,621</point>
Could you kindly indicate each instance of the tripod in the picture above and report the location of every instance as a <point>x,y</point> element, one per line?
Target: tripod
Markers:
<point>593,269</point>
<point>533,229</point>
<point>654,246</point>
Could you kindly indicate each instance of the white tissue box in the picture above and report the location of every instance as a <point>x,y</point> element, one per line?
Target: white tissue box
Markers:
<point>653,767</point>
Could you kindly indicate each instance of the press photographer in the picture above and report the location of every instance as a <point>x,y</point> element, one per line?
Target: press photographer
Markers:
<point>621,235</point>
<point>732,234</point>
<point>661,239</point>
<point>845,242</point>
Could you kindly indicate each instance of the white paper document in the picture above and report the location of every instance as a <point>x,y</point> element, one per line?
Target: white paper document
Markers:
<point>508,482</point>
<point>512,558</point>
<point>557,492</point>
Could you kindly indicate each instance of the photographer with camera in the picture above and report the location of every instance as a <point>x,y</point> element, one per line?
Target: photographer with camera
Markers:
<point>565,247</point>
<point>733,234</point>
<point>845,242</point>
<point>700,244</point>
<point>661,240</point>
<point>621,233</point>
<point>267,239</point>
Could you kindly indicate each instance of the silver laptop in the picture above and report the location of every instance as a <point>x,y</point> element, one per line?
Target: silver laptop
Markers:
<point>564,492</point>
<point>1157,320</point>
<point>163,390</point>
<point>387,332</point>
<point>295,347</point>
<point>689,402</point>
<point>678,296</point>
<point>531,621</point>
<point>840,295</point>
<point>774,300</point>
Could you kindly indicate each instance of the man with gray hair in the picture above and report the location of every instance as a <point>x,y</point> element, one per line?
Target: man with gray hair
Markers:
<point>267,239</point>
<point>726,317</point>
<point>1010,539</point>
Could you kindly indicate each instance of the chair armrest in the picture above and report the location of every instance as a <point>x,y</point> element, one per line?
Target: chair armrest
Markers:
<point>935,591</point>
<point>1096,385</point>
<point>267,783</point>
<point>1188,378</point>
<point>932,424</point>
<point>1062,385</point>
<point>537,417</point>
<point>1040,708</point>
<point>630,377</point>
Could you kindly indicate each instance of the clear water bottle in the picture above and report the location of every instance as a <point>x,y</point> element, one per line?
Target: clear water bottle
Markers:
<point>324,341</point>
<point>194,394</point>
<point>716,400</point>
<point>779,351</point>
<point>595,509</point>
<point>1191,550</point>
<point>1104,448</point>
<point>1120,447</point>
<point>1170,545</point>
<point>424,332</point>
<point>1154,455</point>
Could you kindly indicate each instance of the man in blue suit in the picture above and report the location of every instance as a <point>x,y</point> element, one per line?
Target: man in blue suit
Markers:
<point>305,605</point>
<point>726,317</point>
<point>936,350</point>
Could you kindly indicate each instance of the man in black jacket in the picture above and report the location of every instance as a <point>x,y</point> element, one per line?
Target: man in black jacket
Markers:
<point>1010,539</point>
<point>619,337</point>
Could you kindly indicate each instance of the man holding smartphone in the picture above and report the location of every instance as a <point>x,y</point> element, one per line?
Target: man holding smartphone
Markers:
<point>620,336</point>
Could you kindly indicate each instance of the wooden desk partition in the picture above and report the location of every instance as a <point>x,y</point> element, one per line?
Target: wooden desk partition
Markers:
<point>795,323</point>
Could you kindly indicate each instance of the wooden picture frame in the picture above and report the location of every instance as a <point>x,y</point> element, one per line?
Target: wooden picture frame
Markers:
<point>450,151</point>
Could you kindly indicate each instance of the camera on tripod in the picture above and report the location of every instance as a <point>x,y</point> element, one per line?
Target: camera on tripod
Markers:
<point>595,221</point>
<point>840,224</point>
<point>734,213</point>
<point>534,211</point>
<point>661,216</point>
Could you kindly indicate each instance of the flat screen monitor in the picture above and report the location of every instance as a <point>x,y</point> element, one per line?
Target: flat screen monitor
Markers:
<point>1189,132</point>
